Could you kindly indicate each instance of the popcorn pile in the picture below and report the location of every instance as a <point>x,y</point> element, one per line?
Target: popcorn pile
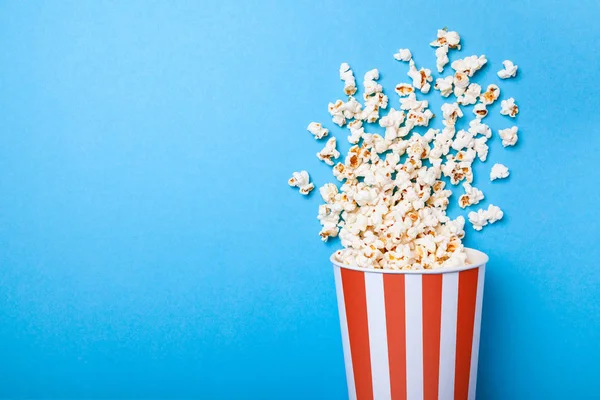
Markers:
<point>390,210</point>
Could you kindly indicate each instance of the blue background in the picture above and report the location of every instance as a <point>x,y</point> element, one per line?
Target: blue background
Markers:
<point>150,245</point>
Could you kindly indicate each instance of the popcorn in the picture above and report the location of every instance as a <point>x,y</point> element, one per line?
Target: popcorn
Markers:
<point>317,130</point>
<point>347,76</point>
<point>469,65</point>
<point>441,56</point>
<point>373,96</point>
<point>445,38</point>
<point>391,122</point>
<point>461,82</point>
<point>444,85</point>
<point>351,108</point>
<point>457,171</point>
<point>477,127</point>
<point>329,219</point>
<point>419,118</point>
<point>491,95</point>
<point>478,219</point>
<point>390,209</point>
<point>356,131</point>
<point>509,136</point>
<point>301,180</point>
<point>404,89</point>
<point>328,192</point>
<point>463,139</point>
<point>481,148</point>
<point>336,110</point>
<point>370,84</point>
<point>494,214</point>
<point>403,55</point>
<point>472,196</point>
<point>451,112</point>
<point>509,107</point>
<point>421,77</point>
<point>480,111</point>
<point>329,152</point>
<point>341,112</point>
<point>509,71</point>
<point>482,217</point>
<point>470,95</point>
<point>499,171</point>
<point>411,103</point>
<point>445,41</point>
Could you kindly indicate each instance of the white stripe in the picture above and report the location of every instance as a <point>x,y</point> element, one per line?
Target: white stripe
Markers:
<point>476,331</point>
<point>380,366</point>
<point>414,337</point>
<point>344,327</point>
<point>448,335</point>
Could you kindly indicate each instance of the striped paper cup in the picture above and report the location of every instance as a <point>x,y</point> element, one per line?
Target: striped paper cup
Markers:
<point>411,334</point>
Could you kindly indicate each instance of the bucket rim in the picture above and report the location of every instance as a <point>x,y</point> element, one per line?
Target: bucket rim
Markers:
<point>476,257</point>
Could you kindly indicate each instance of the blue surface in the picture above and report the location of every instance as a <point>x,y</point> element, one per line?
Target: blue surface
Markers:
<point>149,243</point>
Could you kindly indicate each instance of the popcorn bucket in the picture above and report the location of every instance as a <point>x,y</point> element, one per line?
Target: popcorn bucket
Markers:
<point>411,335</point>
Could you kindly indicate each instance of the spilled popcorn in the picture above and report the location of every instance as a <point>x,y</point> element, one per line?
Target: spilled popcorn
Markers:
<point>389,210</point>
<point>509,71</point>
<point>499,171</point>
<point>301,180</point>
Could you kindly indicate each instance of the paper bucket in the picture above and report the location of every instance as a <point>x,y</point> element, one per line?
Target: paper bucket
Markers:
<point>411,334</point>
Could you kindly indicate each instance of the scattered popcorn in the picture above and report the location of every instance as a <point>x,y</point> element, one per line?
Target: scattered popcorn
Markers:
<point>421,77</point>
<point>341,112</point>
<point>461,82</point>
<point>509,71</point>
<point>389,211</point>
<point>499,171</point>
<point>444,85</point>
<point>445,41</point>
<point>347,76</point>
<point>301,180</point>
<point>470,95</point>
<point>371,86</point>
<point>404,89</point>
<point>317,130</point>
<point>328,192</point>
<point>491,95</point>
<point>481,148</point>
<point>476,127</point>
<point>418,118</point>
<point>480,111</point>
<point>509,136</point>
<point>373,96</point>
<point>329,152</point>
<point>494,214</point>
<point>336,110</point>
<point>356,131</point>
<point>411,103</point>
<point>451,112</point>
<point>391,122</point>
<point>441,56</point>
<point>445,38</point>
<point>472,196</point>
<point>478,219</point>
<point>482,217</point>
<point>469,65</point>
<point>329,218</point>
<point>403,55</point>
<point>509,107</point>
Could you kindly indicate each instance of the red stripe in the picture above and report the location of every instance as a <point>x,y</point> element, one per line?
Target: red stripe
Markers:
<point>355,299</point>
<point>467,298</point>
<point>393,288</point>
<point>432,325</point>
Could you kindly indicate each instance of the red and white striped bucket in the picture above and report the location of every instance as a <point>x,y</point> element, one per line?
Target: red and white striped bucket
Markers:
<point>410,335</point>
